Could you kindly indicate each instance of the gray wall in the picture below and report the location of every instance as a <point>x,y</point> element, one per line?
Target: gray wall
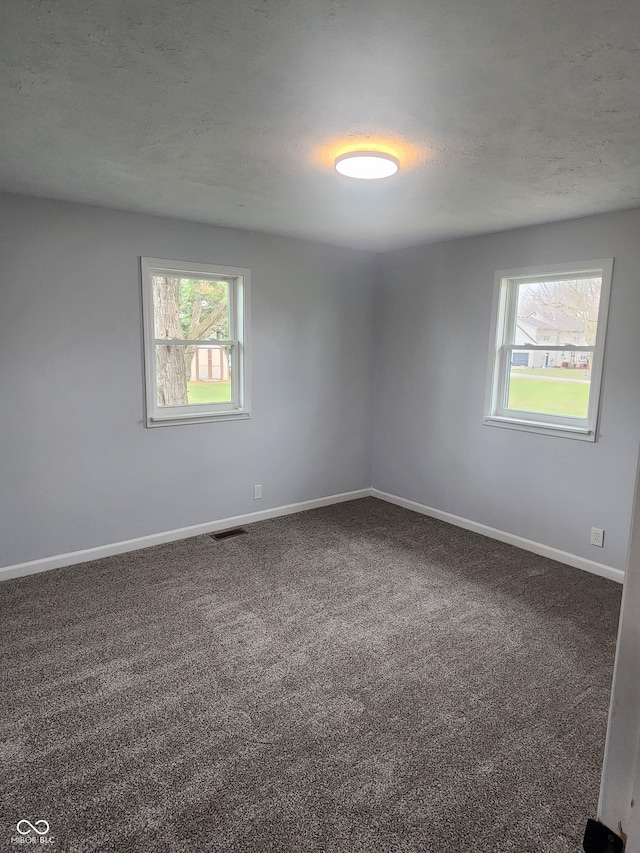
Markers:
<point>430,444</point>
<point>78,469</point>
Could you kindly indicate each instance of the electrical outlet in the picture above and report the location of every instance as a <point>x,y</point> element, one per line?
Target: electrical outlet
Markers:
<point>597,537</point>
<point>257,492</point>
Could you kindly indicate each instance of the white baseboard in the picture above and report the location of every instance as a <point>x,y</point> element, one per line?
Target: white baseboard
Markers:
<point>47,563</point>
<point>84,556</point>
<point>510,538</point>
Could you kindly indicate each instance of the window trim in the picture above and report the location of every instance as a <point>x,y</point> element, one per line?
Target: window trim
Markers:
<point>239,315</point>
<point>502,319</point>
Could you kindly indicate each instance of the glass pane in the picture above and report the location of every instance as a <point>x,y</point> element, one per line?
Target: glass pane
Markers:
<point>190,308</point>
<point>193,375</point>
<point>558,312</point>
<point>538,385</point>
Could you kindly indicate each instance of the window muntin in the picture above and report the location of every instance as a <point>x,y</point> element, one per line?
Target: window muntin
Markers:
<point>547,347</point>
<point>195,323</point>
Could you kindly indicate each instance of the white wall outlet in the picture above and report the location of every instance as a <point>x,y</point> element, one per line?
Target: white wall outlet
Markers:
<point>257,492</point>
<point>597,537</point>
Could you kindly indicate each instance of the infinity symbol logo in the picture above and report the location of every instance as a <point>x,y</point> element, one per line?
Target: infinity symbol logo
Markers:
<point>30,827</point>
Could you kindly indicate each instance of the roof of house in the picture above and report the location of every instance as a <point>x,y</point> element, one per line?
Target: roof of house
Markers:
<point>556,321</point>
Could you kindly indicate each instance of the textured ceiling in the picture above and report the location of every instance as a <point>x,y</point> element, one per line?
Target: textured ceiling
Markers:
<point>503,112</point>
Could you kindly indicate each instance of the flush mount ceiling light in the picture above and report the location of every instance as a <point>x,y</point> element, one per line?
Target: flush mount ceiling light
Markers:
<point>367,165</point>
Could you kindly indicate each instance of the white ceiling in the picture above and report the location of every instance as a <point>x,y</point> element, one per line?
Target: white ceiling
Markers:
<point>503,112</point>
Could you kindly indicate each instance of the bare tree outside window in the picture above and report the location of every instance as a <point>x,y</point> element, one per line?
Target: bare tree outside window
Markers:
<point>578,299</point>
<point>545,365</point>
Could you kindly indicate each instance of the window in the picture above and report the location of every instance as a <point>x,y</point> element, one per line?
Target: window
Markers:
<point>547,347</point>
<point>195,333</point>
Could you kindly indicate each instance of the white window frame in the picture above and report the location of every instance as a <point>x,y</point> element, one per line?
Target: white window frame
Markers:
<point>239,307</point>
<point>500,348</point>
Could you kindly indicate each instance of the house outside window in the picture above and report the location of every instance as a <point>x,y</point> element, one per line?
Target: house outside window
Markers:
<point>196,347</point>
<point>547,348</point>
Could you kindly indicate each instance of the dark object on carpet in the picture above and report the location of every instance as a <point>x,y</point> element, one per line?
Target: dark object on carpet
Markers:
<point>598,838</point>
<point>228,534</point>
<point>353,679</point>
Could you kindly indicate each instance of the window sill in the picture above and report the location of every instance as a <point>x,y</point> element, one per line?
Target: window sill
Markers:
<point>561,431</point>
<point>178,420</point>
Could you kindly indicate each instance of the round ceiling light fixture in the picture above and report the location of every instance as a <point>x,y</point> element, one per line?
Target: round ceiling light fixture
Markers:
<point>367,165</point>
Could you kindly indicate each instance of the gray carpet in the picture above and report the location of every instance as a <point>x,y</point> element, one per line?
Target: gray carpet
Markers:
<point>354,679</point>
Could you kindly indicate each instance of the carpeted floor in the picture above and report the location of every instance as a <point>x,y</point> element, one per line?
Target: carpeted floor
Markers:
<point>354,679</point>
